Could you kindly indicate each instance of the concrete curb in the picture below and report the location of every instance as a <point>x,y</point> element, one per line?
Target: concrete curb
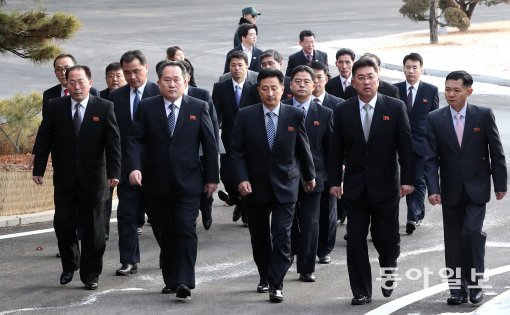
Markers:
<point>44,216</point>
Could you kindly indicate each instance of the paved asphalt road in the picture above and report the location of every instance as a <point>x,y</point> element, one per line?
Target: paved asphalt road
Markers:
<point>226,273</point>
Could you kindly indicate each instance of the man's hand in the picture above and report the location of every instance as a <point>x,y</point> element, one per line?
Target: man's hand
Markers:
<point>500,195</point>
<point>210,188</point>
<point>244,188</point>
<point>336,191</point>
<point>406,190</point>
<point>435,199</point>
<point>112,182</point>
<point>38,180</point>
<point>309,185</point>
<point>135,178</point>
<point>31,162</point>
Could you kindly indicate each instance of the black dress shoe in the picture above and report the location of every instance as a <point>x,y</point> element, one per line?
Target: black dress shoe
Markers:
<point>183,292</point>
<point>361,300</point>
<point>326,259</point>
<point>225,197</point>
<point>263,287</point>
<point>236,215</point>
<point>66,277</point>
<point>306,277</point>
<point>387,290</point>
<point>90,286</point>
<point>126,269</point>
<point>475,296</point>
<point>275,295</point>
<point>410,227</point>
<point>456,300</point>
<point>167,290</point>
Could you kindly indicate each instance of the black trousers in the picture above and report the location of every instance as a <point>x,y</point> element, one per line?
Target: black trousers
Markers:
<point>464,243</point>
<point>306,233</point>
<point>71,209</point>
<point>178,222</point>
<point>130,203</point>
<point>382,217</point>
<point>327,223</point>
<point>270,241</point>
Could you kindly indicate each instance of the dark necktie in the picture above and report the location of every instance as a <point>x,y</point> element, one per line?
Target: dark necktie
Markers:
<point>409,101</point>
<point>77,119</point>
<point>171,119</point>
<point>271,129</point>
<point>309,58</point>
<point>317,100</point>
<point>136,101</point>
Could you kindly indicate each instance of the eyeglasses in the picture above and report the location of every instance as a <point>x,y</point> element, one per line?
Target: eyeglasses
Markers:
<point>61,70</point>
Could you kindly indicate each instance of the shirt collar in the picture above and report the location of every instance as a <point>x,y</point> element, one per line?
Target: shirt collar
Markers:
<point>342,79</point>
<point>462,111</point>
<point>234,83</point>
<point>177,102</point>
<point>83,103</point>
<point>276,110</point>
<point>246,49</point>
<point>140,89</point>
<point>320,97</point>
<point>305,104</point>
<point>371,102</point>
<point>415,86</point>
<point>186,90</point>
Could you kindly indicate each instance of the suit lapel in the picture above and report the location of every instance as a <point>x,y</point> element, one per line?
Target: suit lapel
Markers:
<point>260,126</point>
<point>87,117</point>
<point>355,113</point>
<point>311,117</point>
<point>469,124</point>
<point>161,116</point>
<point>244,94</point>
<point>183,114</point>
<point>450,130</point>
<point>281,128</point>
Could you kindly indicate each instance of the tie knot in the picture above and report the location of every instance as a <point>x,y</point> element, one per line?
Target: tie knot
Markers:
<point>136,91</point>
<point>171,107</point>
<point>77,106</point>
<point>411,88</point>
<point>367,107</point>
<point>316,100</point>
<point>458,116</point>
<point>270,114</point>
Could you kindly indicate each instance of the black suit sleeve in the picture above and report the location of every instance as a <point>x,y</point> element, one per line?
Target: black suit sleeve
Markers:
<point>405,146</point>
<point>304,153</point>
<point>336,151</point>
<point>497,157</point>
<point>431,168</point>
<point>112,146</point>
<point>237,149</point>
<point>42,145</point>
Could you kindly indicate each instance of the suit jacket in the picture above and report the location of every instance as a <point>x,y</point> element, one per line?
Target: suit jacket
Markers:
<point>254,63</point>
<point>372,164</point>
<point>205,96</point>
<point>272,173</point>
<point>104,93</point>
<point>319,127</point>
<point>255,96</point>
<point>298,59</point>
<point>88,159</point>
<point>334,87</point>
<point>121,100</point>
<point>56,91</point>
<point>331,101</point>
<point>426,100</point>
<point>173,163</point>
<point>250,76</point>
<point>385,88</point>
<point>226,107</point>
<point>468,166</point>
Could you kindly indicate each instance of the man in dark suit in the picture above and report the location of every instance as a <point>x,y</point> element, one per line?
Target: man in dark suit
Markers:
<point>319,126</point>
<point>61,64</point>
<point>228,96</point>
<point>463,151</point>
<point>267,141</point>
<point>130,212</point>
<point>420,98</point>
<point>250,15</point>
<point>307,54</point>
<point>271,59</point>
<point>114,80</point>
<point>369,132</point>
<point>330,207</point>
<point>164,148</point>
<point>82,136</point>
<point>385,88</point>
<point>248,33</point>
<point>344,59</point>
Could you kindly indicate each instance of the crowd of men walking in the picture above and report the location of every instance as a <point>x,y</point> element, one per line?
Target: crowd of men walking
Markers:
<point>296,153</point>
